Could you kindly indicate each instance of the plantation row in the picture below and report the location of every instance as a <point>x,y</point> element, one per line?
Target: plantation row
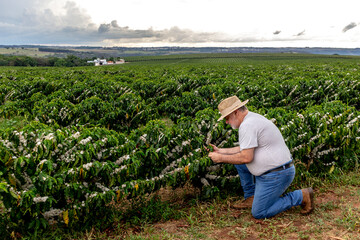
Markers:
<point>95,136</point>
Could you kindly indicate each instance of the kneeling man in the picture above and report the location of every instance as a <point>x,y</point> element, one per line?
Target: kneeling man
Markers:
<point>264,157</point>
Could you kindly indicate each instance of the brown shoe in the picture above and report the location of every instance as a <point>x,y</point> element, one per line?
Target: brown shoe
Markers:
<point>247,203</point>
<point>308,201</point>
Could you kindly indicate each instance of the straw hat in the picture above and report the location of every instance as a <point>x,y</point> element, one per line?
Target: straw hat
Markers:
<point>229,105</point>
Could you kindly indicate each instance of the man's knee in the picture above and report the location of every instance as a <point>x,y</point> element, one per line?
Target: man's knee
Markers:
<point>258,214</point>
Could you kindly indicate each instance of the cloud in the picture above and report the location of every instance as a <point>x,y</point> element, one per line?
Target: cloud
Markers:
<point>39,23</point>
<point>11,11</point>
<point>114,23</point>
<point>66,23</point>
<point>300,34</point>
<point>349,26</point>
<point>72,25</point>
<point>113,31</point>
<point>103,28</point>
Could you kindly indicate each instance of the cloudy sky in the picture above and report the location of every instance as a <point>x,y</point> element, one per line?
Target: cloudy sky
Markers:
<point>228,23</point>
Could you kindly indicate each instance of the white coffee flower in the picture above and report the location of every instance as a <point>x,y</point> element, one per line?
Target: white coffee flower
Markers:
<point>52,213</point>
<point>40,199</point>
<point>87,166</point>
<point>85,141</point>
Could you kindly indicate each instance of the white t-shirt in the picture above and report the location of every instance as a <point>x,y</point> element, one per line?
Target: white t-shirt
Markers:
<point>270,152</point>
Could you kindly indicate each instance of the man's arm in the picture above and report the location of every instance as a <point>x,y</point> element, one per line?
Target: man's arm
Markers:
<point>229,151</point>
<point>243,157</point>
<point>232,150</point>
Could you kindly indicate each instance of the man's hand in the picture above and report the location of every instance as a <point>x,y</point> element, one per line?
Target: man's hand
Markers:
<point>214,148</point>
<point>216,157</point>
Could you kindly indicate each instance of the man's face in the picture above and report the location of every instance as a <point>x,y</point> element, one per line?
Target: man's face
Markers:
<point>232,120</point>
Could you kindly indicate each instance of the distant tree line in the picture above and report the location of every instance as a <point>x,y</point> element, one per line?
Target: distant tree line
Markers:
<point>56,50</point>
<point>26,61</point>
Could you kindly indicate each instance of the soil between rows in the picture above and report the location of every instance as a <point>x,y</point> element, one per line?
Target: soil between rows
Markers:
<point>337,216</point>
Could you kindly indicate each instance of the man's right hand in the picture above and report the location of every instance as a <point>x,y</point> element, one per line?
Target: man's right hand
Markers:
<point>215,157</point>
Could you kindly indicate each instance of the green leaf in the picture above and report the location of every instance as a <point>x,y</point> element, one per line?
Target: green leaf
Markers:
<point>43,222</point>
<point>31,225</point>
<point>3,187</point>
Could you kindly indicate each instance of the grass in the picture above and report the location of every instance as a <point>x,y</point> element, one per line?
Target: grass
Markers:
<point>337,216</point>
<point>31,52</point>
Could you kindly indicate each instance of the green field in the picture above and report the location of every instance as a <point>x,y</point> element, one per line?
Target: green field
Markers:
<point>81,148</point>
<point>246,58</point>
<point>31,52</point>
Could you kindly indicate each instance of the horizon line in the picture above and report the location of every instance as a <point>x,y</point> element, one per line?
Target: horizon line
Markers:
<point>98,46</point>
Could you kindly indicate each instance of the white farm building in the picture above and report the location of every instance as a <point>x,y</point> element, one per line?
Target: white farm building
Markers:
<point>100,62</point>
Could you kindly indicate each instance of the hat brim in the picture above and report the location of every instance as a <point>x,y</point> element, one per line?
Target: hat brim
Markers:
<point>233,109</point>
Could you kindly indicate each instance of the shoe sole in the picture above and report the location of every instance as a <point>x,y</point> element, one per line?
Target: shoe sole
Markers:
<point>311,191</point>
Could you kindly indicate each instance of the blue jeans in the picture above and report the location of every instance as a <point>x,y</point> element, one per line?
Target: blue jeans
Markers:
<point>267,191</point>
